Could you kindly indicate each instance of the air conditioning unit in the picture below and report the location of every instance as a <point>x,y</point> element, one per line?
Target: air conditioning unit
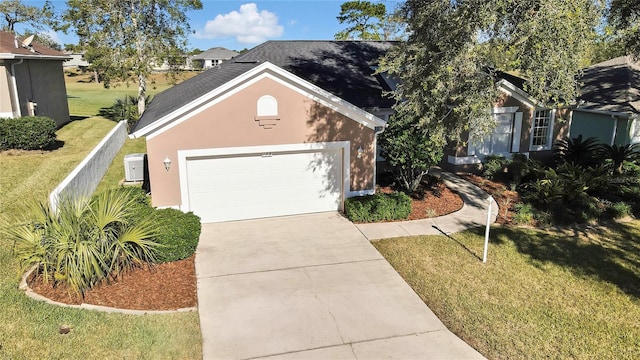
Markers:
<point>134,167</point>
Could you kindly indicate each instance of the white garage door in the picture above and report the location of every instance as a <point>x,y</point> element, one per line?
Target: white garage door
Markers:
<point>252,186</point>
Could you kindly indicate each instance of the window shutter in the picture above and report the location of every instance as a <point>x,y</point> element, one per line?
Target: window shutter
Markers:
<point>517,132</point>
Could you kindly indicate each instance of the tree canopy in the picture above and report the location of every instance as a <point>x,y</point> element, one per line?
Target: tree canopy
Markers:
<point>15,12</point>
<point>449,64</point>
<point>624,15</point>
<point>365,20</point>
<point>125,39</point>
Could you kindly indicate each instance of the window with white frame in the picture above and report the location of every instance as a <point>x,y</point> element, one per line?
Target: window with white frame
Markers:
<point>500,139</point>
<point>542,129</point>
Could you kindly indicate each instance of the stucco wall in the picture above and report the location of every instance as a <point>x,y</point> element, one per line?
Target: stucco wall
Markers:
<point>6,108</point>
<point>42,81</point>
<point>232,123</point>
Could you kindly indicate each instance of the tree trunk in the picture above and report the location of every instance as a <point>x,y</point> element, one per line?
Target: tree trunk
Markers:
<point>142,92</point>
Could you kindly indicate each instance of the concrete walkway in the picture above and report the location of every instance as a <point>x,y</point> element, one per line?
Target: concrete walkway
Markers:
<point>472,214</point>
<point>313,287</point>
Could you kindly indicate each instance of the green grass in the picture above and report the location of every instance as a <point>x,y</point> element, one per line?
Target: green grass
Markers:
<point>540,296</point>
<point>86,98</point>
<point>29,329</point>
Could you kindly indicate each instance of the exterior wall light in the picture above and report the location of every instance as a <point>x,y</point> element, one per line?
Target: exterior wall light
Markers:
<point>167,163</point>
<point>360,151</point>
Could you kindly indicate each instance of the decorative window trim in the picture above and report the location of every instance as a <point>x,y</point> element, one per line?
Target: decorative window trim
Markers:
<point>267,112</point>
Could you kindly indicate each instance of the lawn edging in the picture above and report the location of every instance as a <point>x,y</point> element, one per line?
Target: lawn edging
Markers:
<point>24,286</point>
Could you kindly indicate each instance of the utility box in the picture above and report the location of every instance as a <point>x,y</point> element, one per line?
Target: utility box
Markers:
<point>134,167</point>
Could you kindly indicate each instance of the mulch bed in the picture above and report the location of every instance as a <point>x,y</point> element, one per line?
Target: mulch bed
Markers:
<point>505,198</point>
<point>167,286</point>
<point>431,201</point>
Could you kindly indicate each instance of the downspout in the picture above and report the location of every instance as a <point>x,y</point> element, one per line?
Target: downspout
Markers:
<point>377,130</point>
<point>16,99</point>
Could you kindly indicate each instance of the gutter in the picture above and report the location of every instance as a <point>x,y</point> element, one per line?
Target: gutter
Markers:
<point>16,112</point>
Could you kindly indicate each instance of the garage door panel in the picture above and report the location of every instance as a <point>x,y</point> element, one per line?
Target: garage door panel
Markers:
<point>253,186</point>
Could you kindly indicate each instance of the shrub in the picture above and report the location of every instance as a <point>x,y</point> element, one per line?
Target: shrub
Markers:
<point>577,151</point>
<point>27,133</point>
<point>123,109</point>
<point>619,210</point>
<point>85,242</point>
<point>378,207</point>
<point>524,214</point>
<point>568,192</point>
<point>178,235</point>
<point>495,167</point>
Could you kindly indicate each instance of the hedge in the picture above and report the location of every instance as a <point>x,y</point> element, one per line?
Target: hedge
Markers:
<point>27,133</point>
<point>179,234</point>
<point>378,207</point>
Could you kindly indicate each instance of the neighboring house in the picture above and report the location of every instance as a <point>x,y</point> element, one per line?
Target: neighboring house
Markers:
<point>523,126</point>
<point>31,80</point>
<point>609,103</point>
<point>288,127</point>
<point>75,60</point>
<point>214,57</point>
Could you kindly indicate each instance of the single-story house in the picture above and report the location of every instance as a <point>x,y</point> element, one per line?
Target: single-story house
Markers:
<point>214,57</point>
<point>288,127</point>
<point>609,104</point>
<point>31,80</point>
<point>75,60</point>
<point>608,108</point>
<point>523,126</point>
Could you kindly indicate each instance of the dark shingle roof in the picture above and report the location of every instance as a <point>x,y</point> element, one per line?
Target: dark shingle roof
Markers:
<point>8,47</point>
<point>216,53</point>
<point>612,86</point>
<point>343,68</point>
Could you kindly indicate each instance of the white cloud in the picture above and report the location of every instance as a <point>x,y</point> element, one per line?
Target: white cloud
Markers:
<point>248,26</point>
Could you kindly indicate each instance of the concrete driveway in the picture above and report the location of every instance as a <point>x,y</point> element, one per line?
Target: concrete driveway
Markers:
<point>309,287</point>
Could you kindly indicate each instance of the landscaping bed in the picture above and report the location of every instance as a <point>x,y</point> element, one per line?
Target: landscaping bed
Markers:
<point>166,286</point>
<point>434,201</point>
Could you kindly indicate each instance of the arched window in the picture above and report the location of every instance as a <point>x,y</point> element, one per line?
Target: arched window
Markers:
<point>267,114</point>
<point>267,106</point>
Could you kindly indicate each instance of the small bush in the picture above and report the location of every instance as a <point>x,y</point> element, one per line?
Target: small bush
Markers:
<point>378,207</point>
<point>619,210</point>
<point>27,133</point>
<point>494,167</point>
<point>178,235</point>
<point>523,215</point>
<point>123,109</point>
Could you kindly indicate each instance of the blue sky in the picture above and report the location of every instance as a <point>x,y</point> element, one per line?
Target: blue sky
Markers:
<point>244,24</point>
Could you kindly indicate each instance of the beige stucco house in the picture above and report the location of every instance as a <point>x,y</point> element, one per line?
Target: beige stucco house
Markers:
<point>287,128</point>
<point>523,126</point>
<point>31,80</point>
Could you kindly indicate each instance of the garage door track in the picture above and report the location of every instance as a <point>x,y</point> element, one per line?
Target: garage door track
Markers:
<point>309,287</point>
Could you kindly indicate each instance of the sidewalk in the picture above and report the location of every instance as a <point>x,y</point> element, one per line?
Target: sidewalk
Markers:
<point>472,214</point>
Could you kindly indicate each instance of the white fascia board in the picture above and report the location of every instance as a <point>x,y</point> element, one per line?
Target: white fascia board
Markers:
<point>265,70</point>
<point>515,92</point>
<point>10,56</point>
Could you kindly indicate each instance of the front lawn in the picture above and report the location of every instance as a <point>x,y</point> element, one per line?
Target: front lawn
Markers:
<point>30,329</point>
<point>541,295</point>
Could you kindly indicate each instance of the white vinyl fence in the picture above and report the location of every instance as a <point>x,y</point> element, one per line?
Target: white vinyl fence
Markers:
<point>84,179</point>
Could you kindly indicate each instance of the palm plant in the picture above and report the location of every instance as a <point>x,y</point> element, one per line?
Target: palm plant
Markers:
<point>86,241</point>
<point>577,151</point>
<point>618,154</point>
